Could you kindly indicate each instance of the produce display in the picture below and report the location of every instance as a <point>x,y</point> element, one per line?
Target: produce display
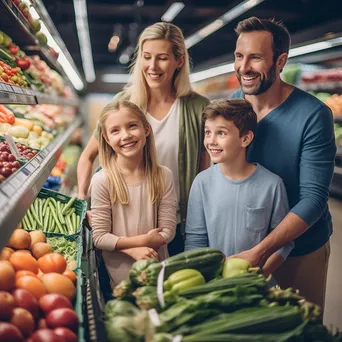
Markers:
<point>36,291</point>
<point>53,216</point>
<point>65,247</point>
<point>229,301</point>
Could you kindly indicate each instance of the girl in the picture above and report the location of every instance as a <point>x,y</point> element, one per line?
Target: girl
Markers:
<point>160,86</point>
<point>132,194</point>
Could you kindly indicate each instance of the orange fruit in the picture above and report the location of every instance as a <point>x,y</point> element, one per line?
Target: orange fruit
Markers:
<point>22,261</point>
<point>32,285</point>
<point>71,275</point>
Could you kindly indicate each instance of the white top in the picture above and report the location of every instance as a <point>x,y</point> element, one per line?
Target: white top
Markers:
<point>166,136</point>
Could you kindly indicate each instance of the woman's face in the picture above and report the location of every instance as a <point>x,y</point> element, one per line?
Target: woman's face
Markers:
<point>159,64</point>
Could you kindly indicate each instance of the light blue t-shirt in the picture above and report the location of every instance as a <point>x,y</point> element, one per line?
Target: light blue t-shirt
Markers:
<point>234,216</point>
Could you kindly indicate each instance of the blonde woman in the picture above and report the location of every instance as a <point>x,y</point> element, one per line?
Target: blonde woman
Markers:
<point>133,201</point>
<point>160,86</point>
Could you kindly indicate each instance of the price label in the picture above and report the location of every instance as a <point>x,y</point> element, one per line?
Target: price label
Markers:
<point>35,163</point>
<point>12,146</point>
<point>16,182</point>
<point>21,177</point>
<point>19,90</point>
<point>30,168</point>
<point>2,86</point>
<point>8,189</point>
<point>8,87</point>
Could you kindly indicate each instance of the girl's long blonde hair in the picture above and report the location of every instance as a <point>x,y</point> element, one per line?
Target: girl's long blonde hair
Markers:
<point>108,158</point>
<point>137,90</point>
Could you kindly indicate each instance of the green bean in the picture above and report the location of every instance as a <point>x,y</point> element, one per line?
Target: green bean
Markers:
<point>31,219</point>
<point>59,213</point>
<point>46,220</point>
<point>78,221</point>
<point>74,222</point>
<point>35,215</point>
<point>46,205</point>
<point>26,223</point>
<point>54,215</point>
<point>69,204</point>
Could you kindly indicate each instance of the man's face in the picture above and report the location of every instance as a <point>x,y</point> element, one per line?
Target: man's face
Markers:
<point>254,65</point>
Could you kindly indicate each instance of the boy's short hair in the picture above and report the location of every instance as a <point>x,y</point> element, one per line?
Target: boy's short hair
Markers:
<point>239,111</point>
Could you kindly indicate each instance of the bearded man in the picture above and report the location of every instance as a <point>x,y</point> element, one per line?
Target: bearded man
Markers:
<point>295,140</point>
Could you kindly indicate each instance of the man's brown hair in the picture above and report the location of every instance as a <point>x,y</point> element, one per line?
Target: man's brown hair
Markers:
<point>280,35</point>
<point>239,111</point>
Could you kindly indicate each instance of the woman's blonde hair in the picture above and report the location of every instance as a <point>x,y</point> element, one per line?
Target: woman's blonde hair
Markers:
<point>108,158</point>
<point>137,90</point>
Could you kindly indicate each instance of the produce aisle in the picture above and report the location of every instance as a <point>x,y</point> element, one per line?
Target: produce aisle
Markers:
<point>42,286</point>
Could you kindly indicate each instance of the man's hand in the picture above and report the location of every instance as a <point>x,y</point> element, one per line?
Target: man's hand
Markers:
<point>141,253</point>
<point>153,239</point>
<point>250,255</point>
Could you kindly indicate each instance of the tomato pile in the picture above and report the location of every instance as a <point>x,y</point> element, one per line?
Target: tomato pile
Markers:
<point>8,162</point>
<point>36,291</point>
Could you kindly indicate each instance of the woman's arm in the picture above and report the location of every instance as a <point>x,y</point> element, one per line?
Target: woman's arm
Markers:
<point>167,208</point>
<point>85,165</point>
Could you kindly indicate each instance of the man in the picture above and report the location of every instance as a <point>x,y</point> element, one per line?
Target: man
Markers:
<point>295,140</point>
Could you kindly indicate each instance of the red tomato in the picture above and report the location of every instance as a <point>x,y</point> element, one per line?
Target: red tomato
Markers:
<point>65,318</point>
<point>54,301</point>
<point>46,335</point>
<point>66,334</point>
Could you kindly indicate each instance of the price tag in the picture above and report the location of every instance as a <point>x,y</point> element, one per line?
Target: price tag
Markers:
<point>2,86</point>
<point>35,163</point>
<point>9,88</point>
<point>21,177</point>
<point>19,90</point>
<point>39,158</point>
<point>30,168</point>
<point>8,189</point>
<point>3,199</point>
<point>12,146</point>
<point>16,182</point>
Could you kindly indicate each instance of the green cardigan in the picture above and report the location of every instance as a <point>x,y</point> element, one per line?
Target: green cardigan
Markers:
<point>191,131</point>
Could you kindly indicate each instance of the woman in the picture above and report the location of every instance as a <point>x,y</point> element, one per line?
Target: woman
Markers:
<point>160,86</point>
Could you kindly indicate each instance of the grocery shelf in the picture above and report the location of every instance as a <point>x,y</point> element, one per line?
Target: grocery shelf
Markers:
<point>16,26</point>
<point>17,194</point>
<point>10,94</point>
<point>321,86</point>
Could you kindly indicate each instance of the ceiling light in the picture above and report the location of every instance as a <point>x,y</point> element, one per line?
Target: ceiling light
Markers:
<point>126,55</point>
<point>212,72</point>
<point>294,52</point>
<point>69,70</point>
<point>113,43</point>
<point>115,78</point>
<point>220,22</point>
<point>172,11</point>
<point>319,46</point>
<point>81,18</point>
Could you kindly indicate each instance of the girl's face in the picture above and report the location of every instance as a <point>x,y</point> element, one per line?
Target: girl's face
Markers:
<point>125,133</point>
<point>159,63</point>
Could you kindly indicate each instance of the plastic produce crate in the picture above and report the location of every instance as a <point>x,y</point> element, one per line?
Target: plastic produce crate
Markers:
<point>80,307</point>
<point>79,205</point>
<point>79,248</point>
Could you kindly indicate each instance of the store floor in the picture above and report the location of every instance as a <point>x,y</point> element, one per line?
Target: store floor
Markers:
<point>333,299</point>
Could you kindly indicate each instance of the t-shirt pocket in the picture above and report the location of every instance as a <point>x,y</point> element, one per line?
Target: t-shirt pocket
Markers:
<point>256,219</point>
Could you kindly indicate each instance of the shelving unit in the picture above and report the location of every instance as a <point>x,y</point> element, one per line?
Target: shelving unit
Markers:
<point>19,191</point>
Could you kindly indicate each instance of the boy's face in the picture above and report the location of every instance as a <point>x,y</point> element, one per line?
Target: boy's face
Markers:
<point>222,140</point>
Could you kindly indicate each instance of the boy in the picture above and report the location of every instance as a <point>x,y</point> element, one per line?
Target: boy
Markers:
<point>233,205</point>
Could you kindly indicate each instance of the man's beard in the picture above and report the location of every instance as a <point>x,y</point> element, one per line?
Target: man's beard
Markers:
<point>264,84</point>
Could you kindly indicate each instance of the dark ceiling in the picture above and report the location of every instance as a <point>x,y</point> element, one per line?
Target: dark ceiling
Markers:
<point>305,19</point>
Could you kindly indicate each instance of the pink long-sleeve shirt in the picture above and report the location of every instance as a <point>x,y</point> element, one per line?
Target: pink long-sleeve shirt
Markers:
<point>110,222</point>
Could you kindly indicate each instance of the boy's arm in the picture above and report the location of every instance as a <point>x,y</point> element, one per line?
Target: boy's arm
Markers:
<point>196,235</point>
<point>272,263</point>
<point>167,210</point>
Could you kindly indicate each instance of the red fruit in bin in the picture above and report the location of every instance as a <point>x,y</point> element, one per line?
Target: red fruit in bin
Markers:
<point>6,171</point>
<point>11,158</point>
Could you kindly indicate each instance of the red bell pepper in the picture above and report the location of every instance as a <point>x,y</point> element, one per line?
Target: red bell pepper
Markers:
<point>13,49</point>
<point>23,63</point>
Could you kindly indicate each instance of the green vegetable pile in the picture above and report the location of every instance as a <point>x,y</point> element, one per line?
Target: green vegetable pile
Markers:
<point>68,248</point>
<point>52,216</point>
<point>201,305</point>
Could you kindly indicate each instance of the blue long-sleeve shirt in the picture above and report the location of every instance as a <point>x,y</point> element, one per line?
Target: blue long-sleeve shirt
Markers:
<point>234,216</point>
<point>296,142</point>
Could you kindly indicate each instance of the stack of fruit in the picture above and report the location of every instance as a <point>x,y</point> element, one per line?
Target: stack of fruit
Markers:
<point>36,292</point>
<point>8,163</point>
